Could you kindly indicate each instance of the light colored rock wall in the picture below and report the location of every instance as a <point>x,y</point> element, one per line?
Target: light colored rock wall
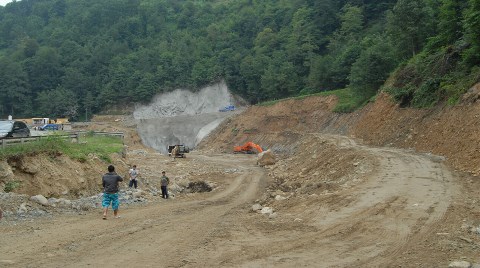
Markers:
<point>182,116</point>
<point>183,102</point>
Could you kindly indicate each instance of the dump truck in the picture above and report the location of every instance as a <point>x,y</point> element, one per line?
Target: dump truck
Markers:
<point>248,148</point>
<point>177,150</point>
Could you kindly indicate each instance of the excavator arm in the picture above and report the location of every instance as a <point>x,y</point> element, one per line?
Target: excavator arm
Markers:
<point>257,147</point>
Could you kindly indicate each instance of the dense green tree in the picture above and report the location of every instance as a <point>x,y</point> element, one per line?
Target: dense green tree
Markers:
<point>252,69</point>
<point>450,21</point>
<point>472,32</point>
<point>409,26</point>
<point>302,43</point>
<point>14,89</point>
<point>58,102</point>
<point>373,66</point>
<point>344,50</point>
<point>113,51</point>
<point>44,69</point>
<point>279,79</point>
<point>30,47</point>
<point>146,88</point>
<point>450,25</point>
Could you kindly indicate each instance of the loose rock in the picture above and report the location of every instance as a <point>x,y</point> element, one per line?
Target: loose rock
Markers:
<point>460,264</point>
<point>40,199</point>
<point>266,210</point>
<point>256,207</point>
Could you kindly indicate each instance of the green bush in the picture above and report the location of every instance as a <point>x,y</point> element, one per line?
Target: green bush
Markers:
<point>428,94</point>
<point>457,83</point>
<point>11,185</point>
<point>403,95</point>
<point>428,79</point>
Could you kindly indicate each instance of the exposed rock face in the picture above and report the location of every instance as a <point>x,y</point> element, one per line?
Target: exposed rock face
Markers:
<point>184,102</point>
<point>182,117</point>
<point>472,95</point>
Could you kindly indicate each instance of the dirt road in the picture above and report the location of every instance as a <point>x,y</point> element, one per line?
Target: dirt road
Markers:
<point>385,220</point>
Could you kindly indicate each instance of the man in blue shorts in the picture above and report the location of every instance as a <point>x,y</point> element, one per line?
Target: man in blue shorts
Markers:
<point>110,191</point>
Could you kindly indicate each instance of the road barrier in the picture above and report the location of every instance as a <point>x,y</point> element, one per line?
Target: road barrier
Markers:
<point>102,133</point>
<point>74,136</point>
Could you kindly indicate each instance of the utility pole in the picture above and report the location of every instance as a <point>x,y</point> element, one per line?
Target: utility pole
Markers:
<point>86,117</point>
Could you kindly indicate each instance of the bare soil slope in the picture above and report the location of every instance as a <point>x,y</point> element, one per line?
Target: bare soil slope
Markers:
<point>451,131</point>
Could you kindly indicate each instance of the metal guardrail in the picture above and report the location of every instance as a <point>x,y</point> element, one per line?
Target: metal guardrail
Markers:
<point>104,133</point>
<point>73,136</point>
<point>12,141</point>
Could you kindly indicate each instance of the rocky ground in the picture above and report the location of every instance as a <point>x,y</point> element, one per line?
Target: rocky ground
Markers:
<point>329,201</point>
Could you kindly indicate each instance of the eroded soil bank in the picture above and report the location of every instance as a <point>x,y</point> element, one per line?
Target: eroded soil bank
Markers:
<point>451,131</point>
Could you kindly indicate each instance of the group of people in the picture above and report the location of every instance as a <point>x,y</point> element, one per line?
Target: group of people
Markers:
<point>111,184</point>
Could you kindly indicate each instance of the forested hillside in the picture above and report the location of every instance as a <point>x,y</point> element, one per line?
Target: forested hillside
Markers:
<point>61,57</point>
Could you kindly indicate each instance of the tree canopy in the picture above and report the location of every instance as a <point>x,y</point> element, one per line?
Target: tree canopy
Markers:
<point>60,57</point>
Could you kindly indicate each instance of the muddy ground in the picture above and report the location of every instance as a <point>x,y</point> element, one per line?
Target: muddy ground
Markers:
<point>392,191</point>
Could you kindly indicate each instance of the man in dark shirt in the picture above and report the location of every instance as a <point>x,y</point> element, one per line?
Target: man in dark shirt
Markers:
<point>110,191</point>
<point>164,181</point>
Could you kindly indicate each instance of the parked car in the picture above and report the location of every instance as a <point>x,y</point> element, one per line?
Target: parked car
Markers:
<point>15,129</point>
<point>48,127</point>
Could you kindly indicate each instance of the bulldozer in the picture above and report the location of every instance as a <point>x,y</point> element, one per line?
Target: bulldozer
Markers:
<point>248,148</point>
<point>178,150</point>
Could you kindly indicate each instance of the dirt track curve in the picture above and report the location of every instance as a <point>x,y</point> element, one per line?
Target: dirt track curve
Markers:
<point>372,224</point>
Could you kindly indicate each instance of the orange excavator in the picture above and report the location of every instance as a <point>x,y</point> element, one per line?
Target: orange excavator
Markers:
<point>248,148</point>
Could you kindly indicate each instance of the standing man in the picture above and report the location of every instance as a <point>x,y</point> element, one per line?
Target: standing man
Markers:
<point>164,181</point>
<point>110,191</point>
<point>133,177</point>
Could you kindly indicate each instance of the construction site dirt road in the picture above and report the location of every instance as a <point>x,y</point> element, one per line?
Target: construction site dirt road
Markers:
<point>329,200</point>
<point>397,211</point>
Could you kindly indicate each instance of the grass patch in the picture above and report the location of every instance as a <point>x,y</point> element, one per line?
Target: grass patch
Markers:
<point>272,102</point>
<point>250,131</point>
<point>349,99</point>
<point>101,146</point>
<point>11,185</point>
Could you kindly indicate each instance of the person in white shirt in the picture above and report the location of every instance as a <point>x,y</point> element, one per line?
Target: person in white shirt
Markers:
<point>133,177</point>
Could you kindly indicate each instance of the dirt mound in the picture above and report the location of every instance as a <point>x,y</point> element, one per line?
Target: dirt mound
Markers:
<point>319,166</point>
<point>199,187</point>
<point>55,176</point>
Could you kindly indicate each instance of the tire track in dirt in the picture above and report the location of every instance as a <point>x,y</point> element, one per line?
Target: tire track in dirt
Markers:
<point>404,200</point>
<point>165,234</point>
